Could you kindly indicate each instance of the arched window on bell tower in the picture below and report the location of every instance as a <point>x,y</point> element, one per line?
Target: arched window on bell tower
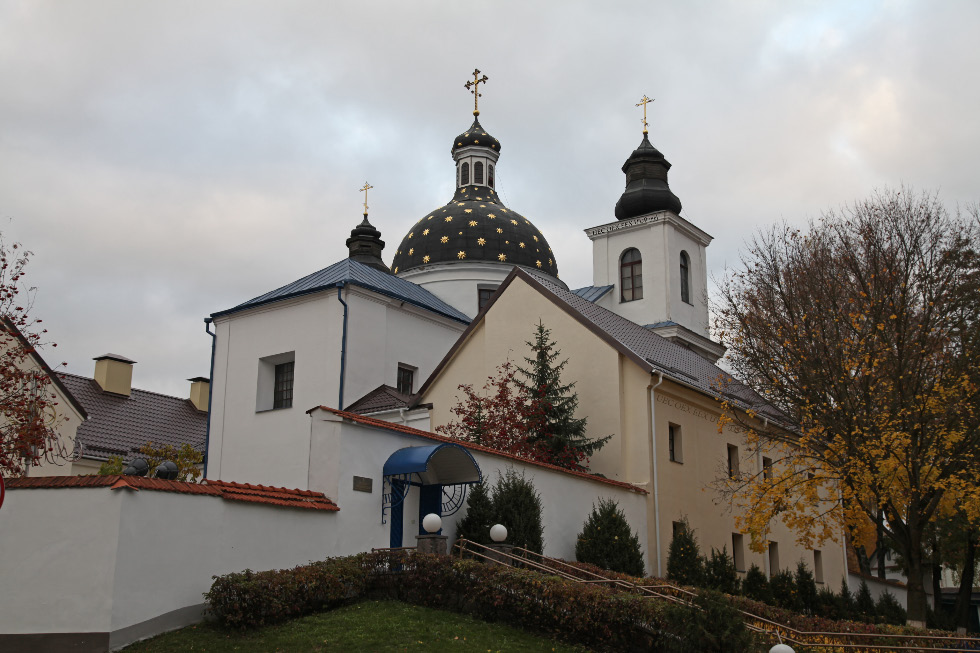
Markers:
<point>464,175</point>
<point>490,175</point>
<point>685,278</point>
<point>630,275</point>
<point>478,172</point>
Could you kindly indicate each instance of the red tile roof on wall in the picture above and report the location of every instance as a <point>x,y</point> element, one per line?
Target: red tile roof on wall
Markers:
<point>391,426</point>
<point>274,496</point>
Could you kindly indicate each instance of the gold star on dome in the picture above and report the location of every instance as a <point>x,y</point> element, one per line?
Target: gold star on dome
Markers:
<point>444,239</point>
<point>479,198</point>
<point>395,271</point>
<point>461,233</point>
<point>466,134</point>
<point>461,255</point>
<point>449,218</point>
<point>513,221</point>
<point>472,223</point>
<point>411,251</point>
<point>411,233</point>
<point>521,245</point>
<point>549,262</point>
<point>476,142</point>
<point>426,233</point>
<point>503,209</point>
<point>460,143</point>
<point>429,218</point>
<point>506,242</point>
<point>459,204</point>
<point>491,216</point>
<point>535,238</point>
<point>425,259</point>
<point>538,263</point>
<point>481,241</point>
<point>502,257</point>
<point>499,230</point>
<point>467,210</point>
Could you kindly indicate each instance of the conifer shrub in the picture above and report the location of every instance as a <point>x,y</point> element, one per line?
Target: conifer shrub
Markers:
<point>827,604</point>
<point>806,589</point>
<point>719,572</point>
<point>480,515</point>
<point>845,602</point>
<point>756,585</point>
<point>714,626</point>
<point>889,610</point>
<point>684,562</point>
<point>864,605</point>
<point>607,540</point>
<point>784,594</point>
<point>517,505</point>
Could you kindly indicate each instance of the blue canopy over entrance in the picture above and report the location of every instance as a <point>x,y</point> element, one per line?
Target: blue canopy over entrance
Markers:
<point>441,471</point>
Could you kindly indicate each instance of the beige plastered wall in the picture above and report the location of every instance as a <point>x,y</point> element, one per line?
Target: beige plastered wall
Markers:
<point>615,395</point>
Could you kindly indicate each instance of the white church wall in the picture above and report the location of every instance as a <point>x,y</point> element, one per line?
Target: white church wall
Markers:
<point>122,565</point>
<point>457,283</point>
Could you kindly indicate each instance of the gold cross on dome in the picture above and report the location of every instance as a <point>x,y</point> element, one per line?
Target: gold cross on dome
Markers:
<point>367,186</point>
<point>644,102</point>
<point>474,88</point>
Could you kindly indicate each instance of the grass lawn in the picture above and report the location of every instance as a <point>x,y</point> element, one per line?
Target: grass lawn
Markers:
<point>367,626</point>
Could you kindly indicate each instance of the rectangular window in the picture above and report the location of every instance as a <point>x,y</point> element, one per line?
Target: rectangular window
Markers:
<point>676,443</point>
<point>483,297</point>
<point>767,468</point>
<point>732,461</point>
<point>817,566</point>
<point>283,393</point>
<point>738,551</point>
<point>773,559</point>
<point>406,378</point>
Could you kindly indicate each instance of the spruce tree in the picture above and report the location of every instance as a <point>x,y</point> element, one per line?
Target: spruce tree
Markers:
<point>756,585</point>
<point>552,425</point>
<point>806,588</point>
<point>845,601</point>
<point>684,562</point>
<point>608,541</point>
<point>865,604</point>
<point>517,505</point>
<point>783,586</point>
<point>719,572</point>
<point>480,516</point>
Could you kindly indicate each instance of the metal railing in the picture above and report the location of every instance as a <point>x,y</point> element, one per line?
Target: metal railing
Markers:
<point>773,631</point>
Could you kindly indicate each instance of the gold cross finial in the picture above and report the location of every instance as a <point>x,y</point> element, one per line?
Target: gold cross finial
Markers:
<point>645,101</point>
<point>365,189</point>
<point>474,88</point>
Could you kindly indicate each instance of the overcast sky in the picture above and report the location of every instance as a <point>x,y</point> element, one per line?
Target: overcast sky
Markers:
<point>166,160</point>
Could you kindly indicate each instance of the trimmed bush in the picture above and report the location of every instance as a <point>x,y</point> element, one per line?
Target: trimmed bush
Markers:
<point>889,610</point>
<point>517,506</point>
<point>806,589</point>
<point>479,517</point>
<point>756,585</point>
<point>719,572</point>
<point>684,563</point>
<point>783,586</point>
<point>607,541</point>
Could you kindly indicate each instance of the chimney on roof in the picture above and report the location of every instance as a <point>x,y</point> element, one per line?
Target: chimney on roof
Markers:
<point>114,373</point>
<point>200,391</point>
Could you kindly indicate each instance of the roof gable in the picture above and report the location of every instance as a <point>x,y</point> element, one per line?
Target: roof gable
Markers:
<point>348,271</point>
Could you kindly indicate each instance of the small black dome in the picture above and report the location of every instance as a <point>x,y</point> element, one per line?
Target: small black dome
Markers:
<point>476,135</point>
<point>474,226</point>
<point>365,245</point>
<point>646,184</point>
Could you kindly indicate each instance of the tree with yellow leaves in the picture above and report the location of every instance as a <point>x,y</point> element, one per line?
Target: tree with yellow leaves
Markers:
<point>862,332</point>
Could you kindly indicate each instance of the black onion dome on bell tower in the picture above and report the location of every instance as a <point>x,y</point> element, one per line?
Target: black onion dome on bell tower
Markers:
<point>646,184</point>
<point>365,245</point>
<point>475,226</point>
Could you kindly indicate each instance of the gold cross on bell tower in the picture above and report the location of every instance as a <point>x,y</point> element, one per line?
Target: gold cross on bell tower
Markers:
<point>474,88</point>
<point>367,186</point>
<point>644,102</point>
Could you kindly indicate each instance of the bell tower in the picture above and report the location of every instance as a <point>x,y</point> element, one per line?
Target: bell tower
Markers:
<point>652,262</point>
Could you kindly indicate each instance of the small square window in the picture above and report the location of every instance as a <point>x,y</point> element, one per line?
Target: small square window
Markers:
<point>675,443</point>
<point>483,297</point>
<point>406,378</point>
<point>276,377</point>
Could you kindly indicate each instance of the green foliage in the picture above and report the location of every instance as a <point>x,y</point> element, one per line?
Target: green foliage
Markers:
<point>552,425</point>
<point>845,601</point>
<point>608,541</point>
<point>783,586</point>
<point>187,458</point>
<point>756,585</point>
<point>806,589</point>
<point>889,610</point>
<point>864,604</point>
<point>480,516</point>
<point>684,563</point>
<point>719,572</point>
<point>517,505</point>
<point>714,626</point>
<point>827,605</point>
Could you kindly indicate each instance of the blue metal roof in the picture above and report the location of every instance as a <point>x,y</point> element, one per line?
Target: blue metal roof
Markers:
<point>446,464</point>
<point>592,293</point>
<point>348,271</point>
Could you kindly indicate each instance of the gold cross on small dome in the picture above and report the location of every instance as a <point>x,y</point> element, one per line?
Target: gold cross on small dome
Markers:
<point>644,102</point>
<point>474,88</point>
<point>367,187</point>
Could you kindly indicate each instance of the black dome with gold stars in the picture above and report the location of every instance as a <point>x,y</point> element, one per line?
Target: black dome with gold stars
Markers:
<point>476,135</point>
<point>474,226</point>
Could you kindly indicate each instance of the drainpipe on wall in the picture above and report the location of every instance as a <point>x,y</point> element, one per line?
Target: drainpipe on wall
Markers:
<point>207,431</point>
<point>656,487</point>
<point>343,346</point>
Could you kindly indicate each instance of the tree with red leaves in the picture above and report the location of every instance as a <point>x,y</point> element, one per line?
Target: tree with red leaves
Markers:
<point>28,403</point>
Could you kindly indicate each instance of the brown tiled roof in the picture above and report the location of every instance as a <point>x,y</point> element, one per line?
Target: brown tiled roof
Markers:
<point>384,397</point>
<point>276,496</point>
<point>391,426</point>
<point>650,351</point>
<point>119,425</point>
